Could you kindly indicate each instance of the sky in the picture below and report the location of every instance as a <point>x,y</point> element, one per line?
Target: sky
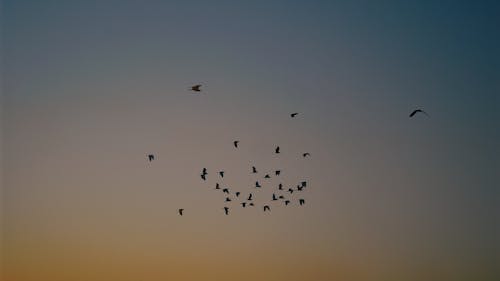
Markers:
<point>90,88</point>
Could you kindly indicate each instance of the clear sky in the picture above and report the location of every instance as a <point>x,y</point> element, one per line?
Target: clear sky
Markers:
<point>91,87</point>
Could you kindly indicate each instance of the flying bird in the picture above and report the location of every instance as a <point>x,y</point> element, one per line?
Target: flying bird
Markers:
<point>274,197</point>
<point>226,210</point>
<point>228,199</point>
<point>302,202</point>
<point>243,204</point>
<point>257,184</point>
<point>204,171</point>
<point>236,143</point>
<point>225,190</point>
<point>281,197</point>
<point>299,188</point>
<point>306,154</point>
<point>418,111</point>
<point>277,150</point>
<point>237,193</point>
<point>151,157</point>
<point>266,207</point>
<point>287,202</point>
<point>294,114</point>
<point>203,176</point>
<point>180,211</point>
<point>280,186</point>
<point>221,173</point>
<point>196,88</point>
<point>304,183</point>
<point>250,197</point>
<point>277,172</point>
<point>250,204</point>
<point>254,170</point>
<point>217,186</point>
<point>267,176</point>
<point>290,190</point>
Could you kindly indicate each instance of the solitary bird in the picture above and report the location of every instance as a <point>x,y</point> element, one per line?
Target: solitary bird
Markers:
<point>287,202</point>
<point>221,173</point>
<point>299,188</point>
<point>237,193</point>
<point>250,204</point>
<point>204,171</point>
<point>243,204</point>
<point>236,143</point>
<point>302,202</point>
<point>225,190</point>
<point>203,176</point>
<point>180,211</point>
<point>274,197</point>
<point>306,154</point>
<point>267,176</point>
<point>277,150</point>
<point>304,183</point>
<point>226,210</point>
<point>257,184</point>
<point>151,157</point>
<point>266,207</point>
<point>228,199</point>
<point>277,172</point>
<point>418,111</point>
<point>290,190</point>
<point>250,197</point>
<point>196,88</point>
<point>217,186</point>
<point>280,186</point>
<point>281,197</point>
<point>254,170</point>
<point>294,114</point>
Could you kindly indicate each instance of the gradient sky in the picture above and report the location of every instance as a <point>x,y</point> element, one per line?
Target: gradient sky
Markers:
<point>91,87</point>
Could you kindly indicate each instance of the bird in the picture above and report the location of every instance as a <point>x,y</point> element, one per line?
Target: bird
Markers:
<point>151,157</point>
<point>294,114</point>
<point>304,183</point>
<point>243,204</point>
<point>203,176</point>
<point>217,186</point>
<point>250,197</point>
<point>287,202</point>
<point>196,88</point>
<point>221,173</point>
<point>204,171</point>
<point>225,190</point>
<point>254,170</point>
<point>280,186</point>
<point>267,176</point>
<point>257,184</point>
<point>277,150</point>
<point>299,188</point>
<point>236,143</point>
<point>228,199</point>
<point>266,207</point>
<point>277,172</point>
<point>274,197</point>
<point>306,154</point>
<point>250,204</point>
<point>417,111</point>
<point>237,193</point>
<point>180,211</point>
<point>290,190</point>
<point>226,210</point>
<point>281,197</point>
<point>302,202</point>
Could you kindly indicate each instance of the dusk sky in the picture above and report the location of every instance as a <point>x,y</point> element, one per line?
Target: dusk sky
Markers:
<point>90,88</point>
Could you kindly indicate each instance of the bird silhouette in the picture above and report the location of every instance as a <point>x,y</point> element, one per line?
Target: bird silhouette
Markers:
<point>228,199</point>
<point>250,197</point>
<point>257,184</point>
<point>243,204</point>
<point>225,190</point>
<point>217,186</point>
<point>236,143</point>
<point>290,190</point>
<point>294,114</point>
<point>254,170</point>
<point>304,183</point>
<point>203,176</point>
<point>281,197</point>
<point>196,88</point>
<point>226,210</point>
<point>204,171</point>
<point>250,204</point>
<point>180,211</point>
<point>299,188</point>
<point>418,111</point>
<point>280,186</point>
<point>306,154</point>
<point>302,202</point>
<point>274,197</point>
<point>221,173</point>
<point>277,172</point>
<point>266,207</point>
<point>151,157</point>
<point>267,176</point>
<point>287,202</point>
<point>277,150</point>
<point>237,193</point>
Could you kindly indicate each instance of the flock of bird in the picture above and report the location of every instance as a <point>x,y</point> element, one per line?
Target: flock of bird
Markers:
<point>248,199</point>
